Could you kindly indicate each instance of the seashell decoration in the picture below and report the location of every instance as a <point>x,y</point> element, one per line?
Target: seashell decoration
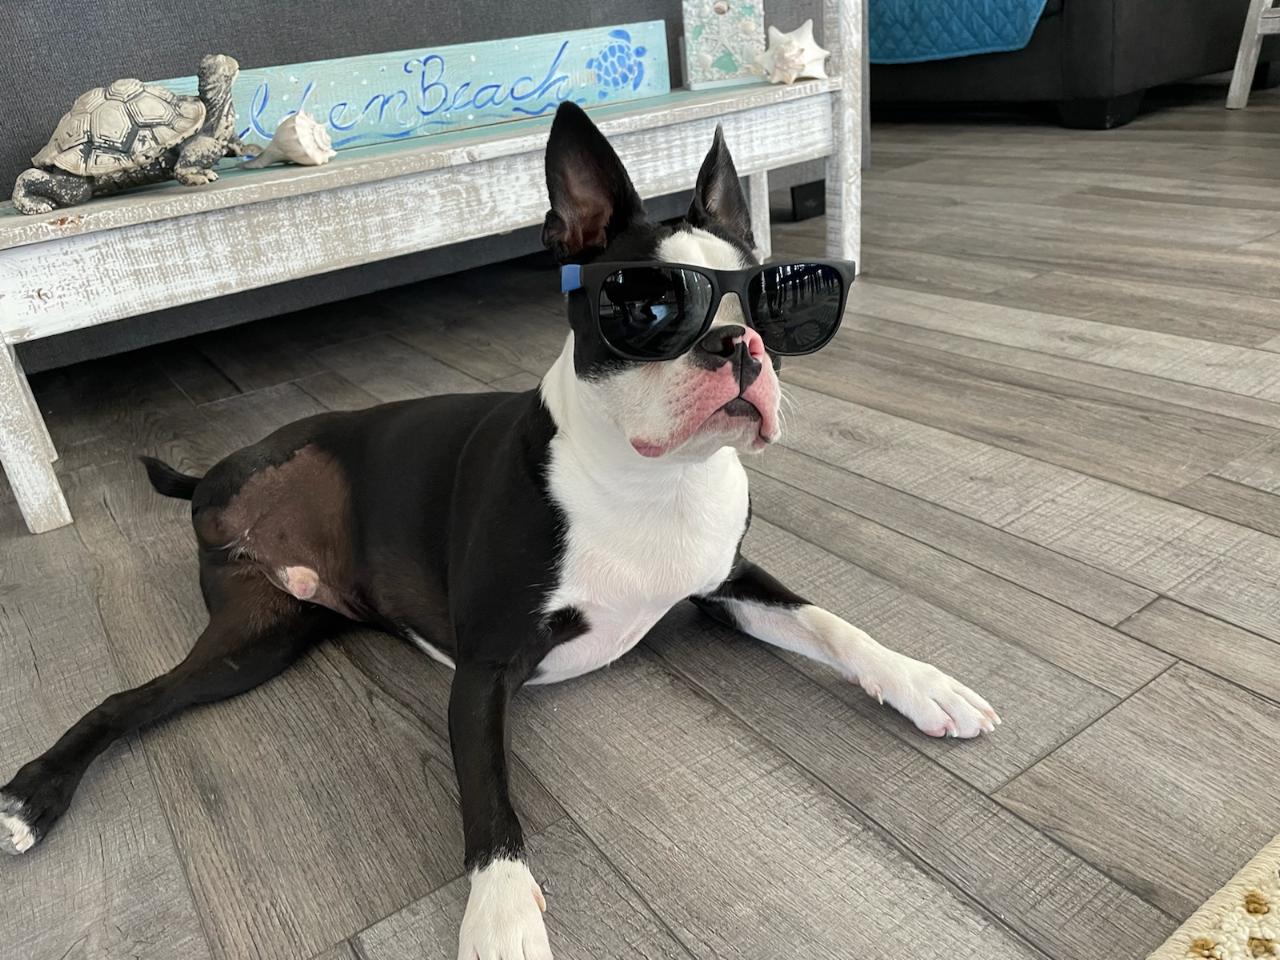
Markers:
<point>793,56</point>
<point>298,139</point>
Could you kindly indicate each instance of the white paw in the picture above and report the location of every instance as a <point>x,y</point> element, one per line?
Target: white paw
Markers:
<point>937,704</point>
<point>16,835</point>
<point>504,915</point>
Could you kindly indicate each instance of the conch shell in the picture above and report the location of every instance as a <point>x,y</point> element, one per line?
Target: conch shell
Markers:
<point>298,139</point>
<point>792,56</point>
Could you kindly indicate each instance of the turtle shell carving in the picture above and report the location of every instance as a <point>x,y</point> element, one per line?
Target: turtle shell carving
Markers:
<point>119,127</point>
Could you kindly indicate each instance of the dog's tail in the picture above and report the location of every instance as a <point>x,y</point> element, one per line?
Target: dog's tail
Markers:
<point>169,481</point>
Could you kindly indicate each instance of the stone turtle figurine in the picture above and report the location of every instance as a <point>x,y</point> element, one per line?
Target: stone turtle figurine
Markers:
<point>130,133</point>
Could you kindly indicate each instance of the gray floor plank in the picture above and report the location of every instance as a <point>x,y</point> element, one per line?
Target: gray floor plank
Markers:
<point>973,478</point>
<point>517,382</point>
<point>591,911</point>
<point>1027,880</point>
<point>341,951</point>
<point>195,375</point>
<point>258,355</point>
<point>421,688</point>
<point>108,881</point>
<point>1240,586</point>
<point>1187,311</point>
<point>1245,505</point>
<point>1205,363</point>
<point>1168,395</point>
<point>392,370</point>
<point>1073,643</point>
<point>305,810</point>
<point>1117,436</point>
<point>1072,169</point>
<point>913,267</point>
<point>1066,581</point>
<point>1124,220</point>
<point>1238,655</point>
<point>1258,468</point>
<point>1047,704</point>
<point>1148,541</point>
<point>487,330</point>
<point>1165,793</point>
<point>740,852</point>
<point>335,392</point>
<point>239,421</point>
<point>1039,251</point>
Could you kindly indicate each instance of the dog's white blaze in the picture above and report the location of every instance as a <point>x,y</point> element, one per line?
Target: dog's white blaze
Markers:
<point>16,833</point>
<point>641,534</point>
<point>701,248</point>
<point>504,915</point>
<point>637,544</point>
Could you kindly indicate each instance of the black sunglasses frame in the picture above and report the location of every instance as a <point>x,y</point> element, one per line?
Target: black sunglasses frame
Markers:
<point>588,279</point>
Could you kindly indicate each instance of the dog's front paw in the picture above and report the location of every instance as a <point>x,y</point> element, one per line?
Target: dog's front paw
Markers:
<point>17,833</point>
<point>504,915</point>
<point>936,703</point>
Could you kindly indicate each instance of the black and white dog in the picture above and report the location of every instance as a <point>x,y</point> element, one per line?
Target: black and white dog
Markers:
<point>525,538</point>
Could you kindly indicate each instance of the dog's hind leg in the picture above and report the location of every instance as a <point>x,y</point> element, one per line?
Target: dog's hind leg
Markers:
<point>255,631</point>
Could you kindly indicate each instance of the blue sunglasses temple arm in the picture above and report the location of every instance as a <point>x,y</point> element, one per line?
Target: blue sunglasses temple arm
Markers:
<point>570,277</point>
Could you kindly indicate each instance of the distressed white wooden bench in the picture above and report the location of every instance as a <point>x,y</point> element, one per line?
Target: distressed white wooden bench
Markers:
<point>1262,20</point>
<point>167,245</point>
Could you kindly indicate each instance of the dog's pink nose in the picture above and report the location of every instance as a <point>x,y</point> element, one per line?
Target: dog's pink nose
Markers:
<point>755,345</point>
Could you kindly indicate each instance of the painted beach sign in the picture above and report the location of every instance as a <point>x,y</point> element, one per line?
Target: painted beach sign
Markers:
<point>414,93</point>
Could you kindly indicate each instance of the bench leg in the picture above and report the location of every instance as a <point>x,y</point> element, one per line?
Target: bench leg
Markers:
<point>34,408</point>
<point>26,452</point>
<point>843,23</point>
<point>1247,57</point>
<point>758,199</point>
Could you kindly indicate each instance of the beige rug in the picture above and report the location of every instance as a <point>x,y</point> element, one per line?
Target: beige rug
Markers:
<point>1239,922</point>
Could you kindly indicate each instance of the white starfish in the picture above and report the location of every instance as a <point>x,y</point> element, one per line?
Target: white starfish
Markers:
<point>791,56</point>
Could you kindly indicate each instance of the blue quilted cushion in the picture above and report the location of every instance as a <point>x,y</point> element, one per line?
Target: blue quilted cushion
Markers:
<point>908,31</point>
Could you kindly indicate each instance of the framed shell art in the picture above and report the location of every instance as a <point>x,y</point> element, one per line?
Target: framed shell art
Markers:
<point>722,40</point>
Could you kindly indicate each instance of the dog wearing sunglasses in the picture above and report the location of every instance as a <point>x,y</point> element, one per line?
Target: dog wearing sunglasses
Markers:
<point>531,537</point>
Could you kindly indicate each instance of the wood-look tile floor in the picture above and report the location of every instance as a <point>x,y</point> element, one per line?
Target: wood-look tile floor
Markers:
<point>1043,453</point>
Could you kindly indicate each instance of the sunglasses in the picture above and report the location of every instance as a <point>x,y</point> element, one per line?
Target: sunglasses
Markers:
<point>658,311</point>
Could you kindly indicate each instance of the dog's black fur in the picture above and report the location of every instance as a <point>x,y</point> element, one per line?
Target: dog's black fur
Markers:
<point>428,517</point>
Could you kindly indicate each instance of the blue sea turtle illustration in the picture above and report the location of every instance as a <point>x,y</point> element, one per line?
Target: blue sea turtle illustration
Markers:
<point>619,64</point>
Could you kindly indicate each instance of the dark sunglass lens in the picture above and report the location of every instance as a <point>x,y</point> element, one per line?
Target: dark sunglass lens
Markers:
<point>653,313</point>
<point>795,307</point>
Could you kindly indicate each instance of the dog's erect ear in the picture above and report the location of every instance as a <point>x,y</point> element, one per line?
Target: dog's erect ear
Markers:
<point>592,199</point>
<point>718,197</point>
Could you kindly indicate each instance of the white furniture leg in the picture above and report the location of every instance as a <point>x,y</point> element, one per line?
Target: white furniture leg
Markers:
<point>758,190</point>
<point>842,33</point>
<point>26,451</point>
<point>50,450</point>
<point>1259,21</point>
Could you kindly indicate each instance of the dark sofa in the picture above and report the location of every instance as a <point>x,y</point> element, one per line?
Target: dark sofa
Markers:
<point>1093,58</point>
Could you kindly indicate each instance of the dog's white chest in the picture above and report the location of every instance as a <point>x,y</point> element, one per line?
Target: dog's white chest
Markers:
<point>630,555</point>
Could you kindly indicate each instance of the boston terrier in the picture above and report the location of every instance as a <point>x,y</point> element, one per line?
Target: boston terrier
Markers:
<point>527,537</point>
